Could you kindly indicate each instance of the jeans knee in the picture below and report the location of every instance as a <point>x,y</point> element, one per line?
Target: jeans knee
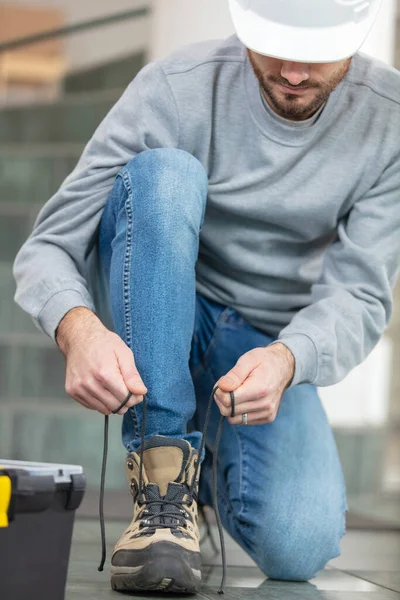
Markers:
<point>296,554</point>
<point>171,177</point>
<point>288,567</point>
<point>163,192</point>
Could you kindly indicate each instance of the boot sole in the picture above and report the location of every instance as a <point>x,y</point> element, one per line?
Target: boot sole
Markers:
<point>161,572</point>
<point>162,577</point>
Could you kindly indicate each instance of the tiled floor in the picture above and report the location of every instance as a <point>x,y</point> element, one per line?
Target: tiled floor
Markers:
<point>368,569</point>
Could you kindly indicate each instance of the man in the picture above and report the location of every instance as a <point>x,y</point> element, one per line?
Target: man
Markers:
<point>242,201</point>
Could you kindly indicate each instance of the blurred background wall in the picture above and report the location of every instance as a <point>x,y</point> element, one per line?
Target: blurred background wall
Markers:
<point>105,44</point>
<point>46,117</point>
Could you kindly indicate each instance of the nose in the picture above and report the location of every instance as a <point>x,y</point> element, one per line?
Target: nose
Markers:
<point>295,72</point>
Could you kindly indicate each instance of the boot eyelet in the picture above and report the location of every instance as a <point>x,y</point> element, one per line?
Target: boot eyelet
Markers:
<point>129,464</point>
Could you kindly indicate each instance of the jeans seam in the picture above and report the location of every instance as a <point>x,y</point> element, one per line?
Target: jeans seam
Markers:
<point>127,259</point>
<point>134,421</point>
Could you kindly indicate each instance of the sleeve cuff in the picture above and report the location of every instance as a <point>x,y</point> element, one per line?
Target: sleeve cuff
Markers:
<point>57,307</point>
<point>305,355</point>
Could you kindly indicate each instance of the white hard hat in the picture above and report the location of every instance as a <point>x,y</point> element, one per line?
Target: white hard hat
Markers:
<point>310,31</point>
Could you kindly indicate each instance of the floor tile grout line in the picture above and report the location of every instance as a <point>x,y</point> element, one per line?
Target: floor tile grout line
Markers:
<point>384,587</point>
<point>203,595</point>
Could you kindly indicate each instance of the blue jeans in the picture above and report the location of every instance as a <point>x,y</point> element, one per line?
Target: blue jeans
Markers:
<point>281,490</point>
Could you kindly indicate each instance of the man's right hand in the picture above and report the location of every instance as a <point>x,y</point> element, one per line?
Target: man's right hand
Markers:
<point>100,367</point>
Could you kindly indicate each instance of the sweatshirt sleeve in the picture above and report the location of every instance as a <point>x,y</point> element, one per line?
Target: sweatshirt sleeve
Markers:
<point>49,268</point>
<point>351,304</point>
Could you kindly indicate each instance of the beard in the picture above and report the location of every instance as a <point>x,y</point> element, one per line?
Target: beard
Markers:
<point>292,106</point>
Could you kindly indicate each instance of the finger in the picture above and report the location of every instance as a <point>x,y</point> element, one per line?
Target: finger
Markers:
<point>252,418</point>
<point>265,421</point>
<point>252,407</point>
<point>93,403</point>
<point>103,395</point>
<point>247,407</point>
<point>253,389</point>
<point>107,385</point>
<point>224,410</point>
<point>132,401</point>
<point>236,376</point>
<point>129,372</point>
<point>83,402</point>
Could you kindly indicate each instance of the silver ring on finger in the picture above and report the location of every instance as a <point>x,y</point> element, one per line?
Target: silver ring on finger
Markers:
<point>245,419</point>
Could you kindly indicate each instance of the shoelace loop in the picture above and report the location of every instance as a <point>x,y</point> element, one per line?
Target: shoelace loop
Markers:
<point>193,484</point>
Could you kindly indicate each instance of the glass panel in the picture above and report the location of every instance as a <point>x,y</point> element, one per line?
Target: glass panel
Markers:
<point>43,132</point>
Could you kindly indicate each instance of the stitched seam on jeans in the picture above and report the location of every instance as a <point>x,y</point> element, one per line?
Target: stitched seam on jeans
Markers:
<point>134,421</point>
<point>127,261</point>
<point>115,207</point>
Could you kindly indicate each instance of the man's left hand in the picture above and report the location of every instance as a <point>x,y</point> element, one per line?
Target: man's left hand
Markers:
<point>258,379</point>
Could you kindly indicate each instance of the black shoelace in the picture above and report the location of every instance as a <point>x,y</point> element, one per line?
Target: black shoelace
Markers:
<point>164,512</point>
<point>193,484</point>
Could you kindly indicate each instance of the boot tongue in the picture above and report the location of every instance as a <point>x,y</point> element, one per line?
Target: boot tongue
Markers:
<point>175,493</point>
<point>165,461</point>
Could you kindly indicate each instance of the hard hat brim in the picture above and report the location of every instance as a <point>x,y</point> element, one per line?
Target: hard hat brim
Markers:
<point>300,44</point>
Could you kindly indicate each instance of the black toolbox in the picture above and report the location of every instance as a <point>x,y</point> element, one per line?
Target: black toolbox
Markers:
<point>37,511</point>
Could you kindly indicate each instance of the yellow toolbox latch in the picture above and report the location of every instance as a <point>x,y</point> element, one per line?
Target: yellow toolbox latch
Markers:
<point>5,498</point>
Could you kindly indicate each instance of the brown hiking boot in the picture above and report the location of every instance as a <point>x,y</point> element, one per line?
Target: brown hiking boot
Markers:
<point>160,548</point>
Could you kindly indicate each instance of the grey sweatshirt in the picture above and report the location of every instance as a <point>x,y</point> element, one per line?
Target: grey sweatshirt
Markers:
<point>302,228</point>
